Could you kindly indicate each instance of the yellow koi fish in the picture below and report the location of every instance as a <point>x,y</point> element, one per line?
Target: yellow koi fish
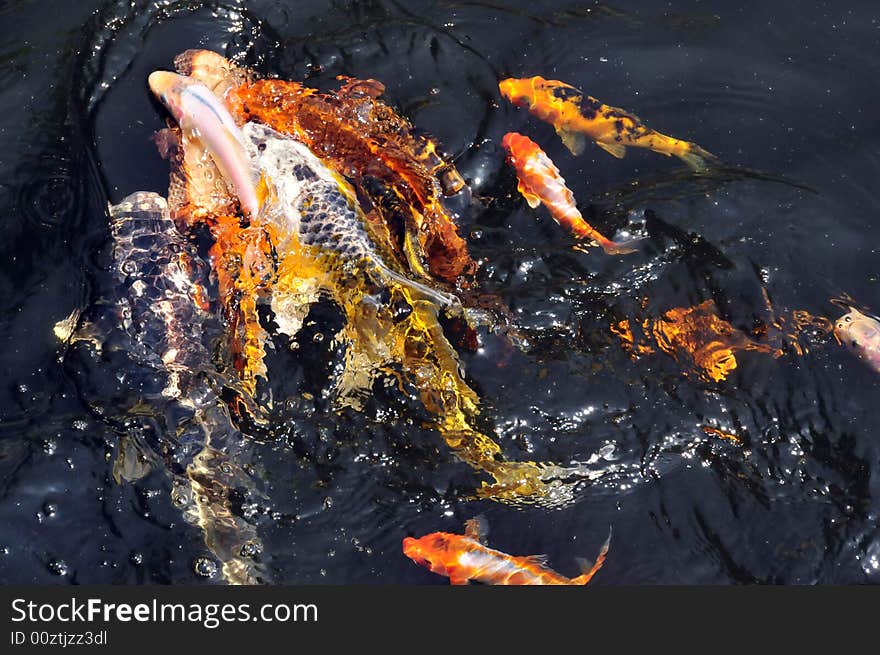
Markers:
<point>576,115</point>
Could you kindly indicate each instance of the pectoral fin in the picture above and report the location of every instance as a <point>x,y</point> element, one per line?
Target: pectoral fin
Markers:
<point>614,149</point>
<point>457,580</point>
<point>531,198</point>
<point>574,141</point>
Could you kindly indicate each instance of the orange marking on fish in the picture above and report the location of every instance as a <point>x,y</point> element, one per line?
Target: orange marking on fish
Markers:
<point>463,558</point>
<point>539,182</point>
<point>575,115</point>
<point>716,432</point>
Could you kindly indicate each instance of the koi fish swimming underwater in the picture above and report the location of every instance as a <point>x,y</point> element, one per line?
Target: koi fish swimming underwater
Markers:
<point>465,558</point>
<point>160,324</point>
<point>539,182</point>
<point>860,334</point>
<point>576,116</point>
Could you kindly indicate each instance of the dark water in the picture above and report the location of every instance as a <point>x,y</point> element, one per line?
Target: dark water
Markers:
<point>788,88</point>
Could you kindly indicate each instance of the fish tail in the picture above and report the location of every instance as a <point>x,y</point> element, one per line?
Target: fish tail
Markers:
<point>445,299</point>
<point>698,158</point>
<point>571,219</point>
<point>590,571</point>
<point>625,247</point>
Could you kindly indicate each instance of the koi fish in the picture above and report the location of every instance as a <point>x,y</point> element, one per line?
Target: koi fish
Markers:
<point>200,113</point>
<point>539,182</point>
<point>861,335</point>
<point>305,192</point>
<point>466,557</point>
<point>575,115</point>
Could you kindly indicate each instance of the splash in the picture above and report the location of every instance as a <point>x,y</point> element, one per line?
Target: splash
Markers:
<point>364,169</point>
<point>400,173</point>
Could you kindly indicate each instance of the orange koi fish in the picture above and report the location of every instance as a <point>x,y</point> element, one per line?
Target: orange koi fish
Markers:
<point>861,335</point>
<point>540,182</point>
<point>576,115</point>
<point>466,557</point>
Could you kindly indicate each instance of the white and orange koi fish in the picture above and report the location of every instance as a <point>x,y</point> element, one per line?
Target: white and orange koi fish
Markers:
<point>541,183</point>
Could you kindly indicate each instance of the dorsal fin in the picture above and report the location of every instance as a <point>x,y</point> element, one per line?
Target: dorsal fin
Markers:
<point>477,528</point>
<point>536,560</point>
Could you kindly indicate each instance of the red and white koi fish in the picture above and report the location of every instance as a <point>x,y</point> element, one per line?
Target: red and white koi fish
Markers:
<point>861,335</point>
<point>539,182</point>
<point>201,113</point>
<point>466,557</point>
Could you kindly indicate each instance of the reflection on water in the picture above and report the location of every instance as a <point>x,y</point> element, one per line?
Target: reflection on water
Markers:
<point>766,474</point>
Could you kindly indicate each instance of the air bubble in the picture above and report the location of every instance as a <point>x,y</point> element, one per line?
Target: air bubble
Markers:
<point>57,566</point>
<point>250,549</point>
<point>205,567</point>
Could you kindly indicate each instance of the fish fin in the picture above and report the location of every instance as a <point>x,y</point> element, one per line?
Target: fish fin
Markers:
<point>444,299</point>
<point>614,149</point>
<point>458,580</point>
<point>589,569</point>
<point>535,560</point>
<point>477,528</point>
<point>574,141</point>
<point>699,159</point>
<point>622,247</point>
<point>530,197</point>
<point>265,190</point>
<point>413,251</point>
<point>533,200</point>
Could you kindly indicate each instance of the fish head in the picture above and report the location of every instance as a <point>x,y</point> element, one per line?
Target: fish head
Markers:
<point>192,104</point>
<point>857,331</point>
<point>519,147</point>
<point>430,551</point>
<point>507,141</point>
<point>519,92</point>
<point>168,88</point>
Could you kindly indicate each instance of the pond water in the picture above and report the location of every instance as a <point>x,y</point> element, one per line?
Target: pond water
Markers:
<point>776,86</point>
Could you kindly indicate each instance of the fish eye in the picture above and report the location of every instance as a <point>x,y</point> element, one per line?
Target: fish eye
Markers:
<point>848,319</point>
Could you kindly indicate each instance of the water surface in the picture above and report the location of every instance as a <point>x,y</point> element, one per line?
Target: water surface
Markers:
<point>777,86</point>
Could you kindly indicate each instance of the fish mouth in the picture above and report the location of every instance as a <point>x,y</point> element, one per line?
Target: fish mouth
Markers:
<point>166,86</point>
<point>411,550</point>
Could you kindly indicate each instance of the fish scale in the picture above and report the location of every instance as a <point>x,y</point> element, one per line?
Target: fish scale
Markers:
<point>315,204</point>
<point>160,281</point>
<point>160,275</point>
<point>310,200</point>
